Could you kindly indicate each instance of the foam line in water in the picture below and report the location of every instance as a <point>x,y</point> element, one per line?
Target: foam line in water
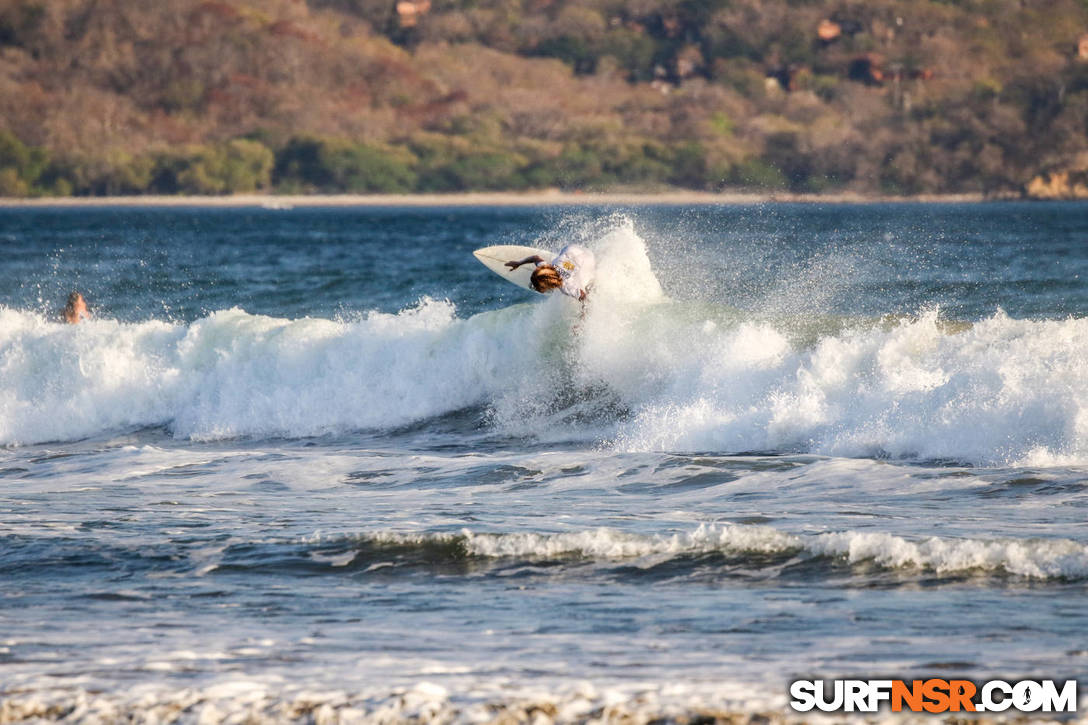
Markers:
<point>474,701</point>
<point>1029,558</point>
<point>750,546</point>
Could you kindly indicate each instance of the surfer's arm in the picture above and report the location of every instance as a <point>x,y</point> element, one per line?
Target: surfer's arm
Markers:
<point>535,259</point>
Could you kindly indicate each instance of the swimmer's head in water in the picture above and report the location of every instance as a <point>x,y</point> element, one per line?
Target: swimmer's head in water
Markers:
<point>545,278</point>
<point>76,308</point>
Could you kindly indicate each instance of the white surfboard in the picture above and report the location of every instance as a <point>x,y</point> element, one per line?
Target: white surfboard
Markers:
<point>495,259</point>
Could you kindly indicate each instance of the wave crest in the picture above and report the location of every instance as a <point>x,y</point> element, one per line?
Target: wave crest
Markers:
<point>640,371</point>
<point>1028,558</point>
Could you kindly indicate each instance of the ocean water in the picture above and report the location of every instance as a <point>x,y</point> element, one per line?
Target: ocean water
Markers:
<point>320,465</point>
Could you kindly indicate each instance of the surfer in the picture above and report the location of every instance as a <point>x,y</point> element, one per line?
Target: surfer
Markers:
<point>76,309</point>
<point>571,272</point>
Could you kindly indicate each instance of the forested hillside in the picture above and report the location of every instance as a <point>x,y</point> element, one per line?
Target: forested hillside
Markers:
<point>222,96</point>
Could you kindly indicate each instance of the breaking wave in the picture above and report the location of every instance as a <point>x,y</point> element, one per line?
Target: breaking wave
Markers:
<point>721,548</point>
<point>1030,558</point>
<point>653,374</point>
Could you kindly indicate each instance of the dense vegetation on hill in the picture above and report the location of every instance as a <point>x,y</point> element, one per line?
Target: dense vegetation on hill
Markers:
<point>221,96</point>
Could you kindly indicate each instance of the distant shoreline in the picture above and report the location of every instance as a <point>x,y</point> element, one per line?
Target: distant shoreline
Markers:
<point>468,199</point>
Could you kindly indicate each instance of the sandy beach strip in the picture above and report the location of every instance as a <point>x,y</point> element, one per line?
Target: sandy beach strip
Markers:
<point>481,199</point>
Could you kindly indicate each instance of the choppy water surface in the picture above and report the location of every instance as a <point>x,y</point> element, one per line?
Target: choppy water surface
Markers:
<point>319,463</point>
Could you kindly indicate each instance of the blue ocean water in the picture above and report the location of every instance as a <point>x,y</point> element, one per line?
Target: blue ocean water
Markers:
<point>320,464</point>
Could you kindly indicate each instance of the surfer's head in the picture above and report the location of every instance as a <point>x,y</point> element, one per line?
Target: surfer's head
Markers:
<point>76,309</point>
<point>545,278</point>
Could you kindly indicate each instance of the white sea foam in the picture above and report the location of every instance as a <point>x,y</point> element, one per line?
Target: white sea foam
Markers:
<point>424,701</point>
<point>233,374</point>
<point>1004,391</point>
<point>483,701</point>
<point>688,376</point>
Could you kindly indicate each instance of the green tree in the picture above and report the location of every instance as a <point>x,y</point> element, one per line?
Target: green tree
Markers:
<point>336,165</point>
<point>21,166</point>
<point>237,166</point>
<point>247,165</point>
